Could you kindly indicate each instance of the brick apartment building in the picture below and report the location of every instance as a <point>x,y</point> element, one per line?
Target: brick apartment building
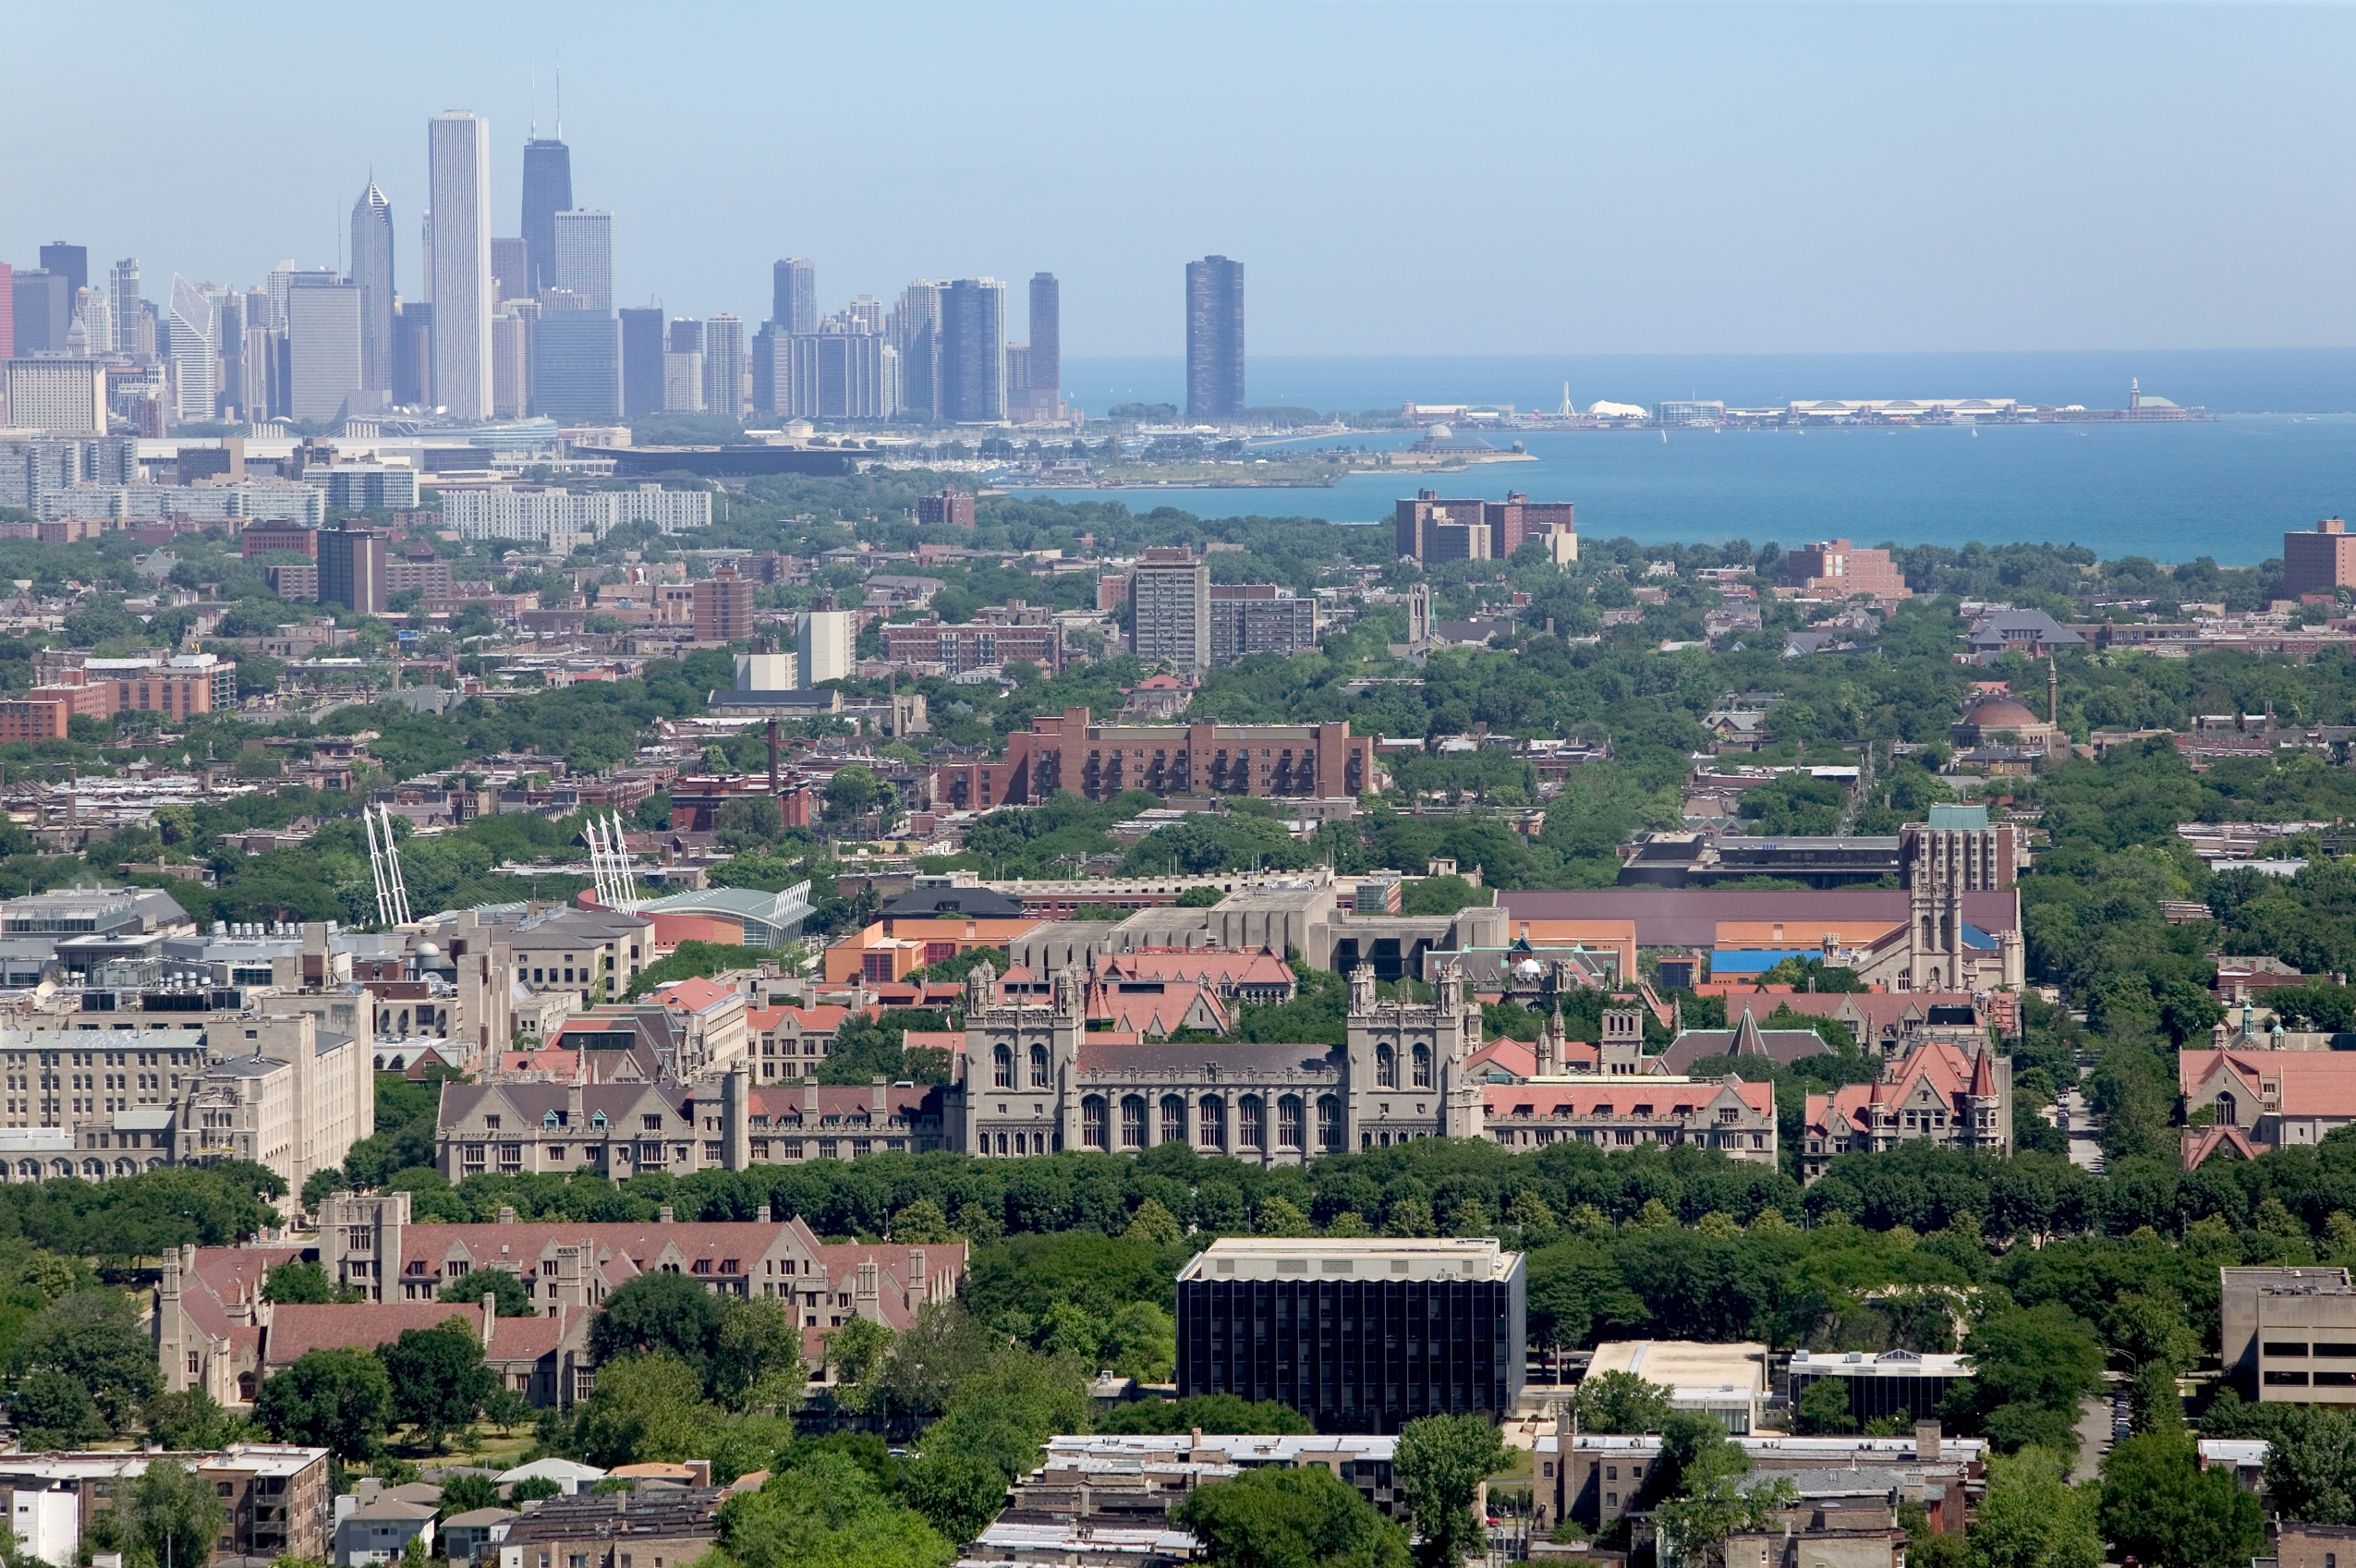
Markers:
<point>973,645</point>
<point>2319,561</point>
<point>946,509</point>
<point>1433,528</point>
<point>1834,568</point>
<point>1100,760</point>
<point>724,604</point>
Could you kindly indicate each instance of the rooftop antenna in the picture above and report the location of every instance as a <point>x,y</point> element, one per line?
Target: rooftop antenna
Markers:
<point>534,134</point>
<point>560,96</point>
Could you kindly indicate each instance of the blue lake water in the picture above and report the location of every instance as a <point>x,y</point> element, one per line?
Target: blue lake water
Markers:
<point>2227,490</point>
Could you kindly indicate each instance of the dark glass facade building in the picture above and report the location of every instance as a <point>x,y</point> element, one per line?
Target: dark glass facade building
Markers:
<point>1214,339</point>
<point>642,340</point>
<point>548,190</point>
<point>1357,1336</point>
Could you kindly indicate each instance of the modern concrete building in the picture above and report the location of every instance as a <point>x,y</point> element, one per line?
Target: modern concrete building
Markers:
<point>43,311</point>
<point>913,326</point>
<point>825,643</point>
<point>1214,339</point>
<point>351,568</point>
<point>2320,561</point>
<point>547,516</point>
<point>577,369</point>
<point>681,383</point>
<point>548,190</point>
<point>1362,1335</point>
<point>60,396</point>
<point>1834,568</point>
<point>326,346</point>
<point>1169,614</point>
<point>1248,618</point>
<point>828,375</point>
<point>584,257</point>
<point>972,378</point>
<point>511,363</point>
<point>373,276</point>
<point>195,351</point>
<point>1881,1387</point>
<point>458,161</point>
<point>1725,1380</point>
<point>724,365</point>
<point>510,269</point>
<point>723,607</point>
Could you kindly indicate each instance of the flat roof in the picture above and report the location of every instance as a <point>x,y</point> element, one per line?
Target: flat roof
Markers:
<point>1688,1366</point>
<point>1888,1363</point>
<point>1409,1257</point>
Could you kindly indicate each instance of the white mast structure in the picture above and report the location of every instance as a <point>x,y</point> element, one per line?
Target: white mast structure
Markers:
<point>616,883</point>
<point>384,866</point>
<point>392,871</point>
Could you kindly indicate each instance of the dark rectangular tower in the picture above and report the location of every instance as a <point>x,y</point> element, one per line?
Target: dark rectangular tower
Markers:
<point>72,262</point>
<point>642,341</point>
<point>1214,339</point>
<point>548,190</point>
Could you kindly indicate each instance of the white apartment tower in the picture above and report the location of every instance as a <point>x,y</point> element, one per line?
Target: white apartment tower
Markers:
<point>458,148</point>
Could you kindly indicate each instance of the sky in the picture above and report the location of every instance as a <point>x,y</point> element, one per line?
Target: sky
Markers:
<point>1436,178</point>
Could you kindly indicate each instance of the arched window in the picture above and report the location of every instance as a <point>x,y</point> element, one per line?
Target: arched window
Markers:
<point>1422,1067</point>
<point>1329,1121</point>
<point>1927,931</point>
<point>1251,1122</point>
<point>1288,1122</point>
<point>29,1170</point>
<point>1092,1121</point>
<point>2227,1111</point>
<point>1173,1118</point>
<point>1386,1067</point>
<point>1133,1121</point>
<point>1210,1122</point>
<point>94,1169</point>
<point>1038,1066</point>
<point>1003,1057</point>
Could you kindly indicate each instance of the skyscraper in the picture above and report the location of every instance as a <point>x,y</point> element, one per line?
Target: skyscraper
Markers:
<point>1214,339</point>
<point>192,351</point>
<point>511,269</point>
<point>413,353</point>
<point>511,369</point>
<point>7,316</point>
<point>1046,382</point>
<point>913,327</point>
<point>459,148</point>
<point>69,262</point>
<point>642,339</point>
<point>1169,608</point>
<point>373,276</point>
<point>45,311</point>
<point>793,305</point>
<point>548,190</point>
<point>723,365</point>
<point>687,335</point>
<point>577,370</point>
<point>351,568</point>
<point>972,378</point>
<point>123,299</point>
<point>326,346</point>
<point>97,322</point>
<point>230,314</point>
<point>584,256</point>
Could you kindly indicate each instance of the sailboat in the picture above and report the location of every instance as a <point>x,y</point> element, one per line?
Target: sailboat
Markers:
<point>1664,438</point>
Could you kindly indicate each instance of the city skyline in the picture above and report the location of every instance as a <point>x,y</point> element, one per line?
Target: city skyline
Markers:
<point>1702,139</point>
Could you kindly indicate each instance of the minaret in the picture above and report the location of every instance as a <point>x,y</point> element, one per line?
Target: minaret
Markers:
<point>2053,693</point>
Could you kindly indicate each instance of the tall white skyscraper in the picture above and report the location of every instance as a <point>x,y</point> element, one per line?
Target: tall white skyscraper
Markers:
<point>584,257</point>
<point>194,353</point>
<point>325,346</point>
<point>459,147</point>
<point>724,365</point>
<point>98,323</point>
<point>373,275</point>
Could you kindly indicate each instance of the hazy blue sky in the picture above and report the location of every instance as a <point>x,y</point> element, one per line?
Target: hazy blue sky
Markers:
<point>1428,179</point>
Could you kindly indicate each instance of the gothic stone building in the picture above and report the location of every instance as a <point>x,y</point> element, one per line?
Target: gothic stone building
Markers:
<point>1031,1082</point>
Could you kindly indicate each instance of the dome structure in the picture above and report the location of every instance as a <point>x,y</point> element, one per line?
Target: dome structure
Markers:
<point>2002,719</point>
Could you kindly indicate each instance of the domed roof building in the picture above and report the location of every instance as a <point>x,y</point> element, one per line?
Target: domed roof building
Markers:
<point>2005,719</point>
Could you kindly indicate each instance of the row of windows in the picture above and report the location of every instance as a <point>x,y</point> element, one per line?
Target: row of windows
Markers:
<point>102,1058</point>
<point>1210,1122</point>
<point>2298,1347</point>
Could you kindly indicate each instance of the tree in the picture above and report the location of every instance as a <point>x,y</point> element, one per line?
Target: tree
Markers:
<point>1306,1517</point>
<point>464,1494</point>
<point>189,1419</point>
<point>2311,1465</point>
<point>91,1339</point>
<point>439,1381</point>
<point>665,1314</point>
<point>645,1409</point>
<point>1822,1407</point>
<point>515,1297</point>
<point>827,1512</point>
<point>302,1282</point>
<point>1622,1403</point>
<point>853,792</point>
<point>1218,1413</point>
<point>944,1346</point>
<point>1154,1222</point>
<point>2031,1369</point>
<point>170,1519</point>
<point>923,1224</point>
<point>858,1353</point>
<point>52,1410</point>
<point>339,1400</point>
<point>757,1361</point>
<point>2160,1507</point>
<point>1700,1520</point>
<point>999,1417</point>
<point>2032,1517</point>
<point>1440,1465</point>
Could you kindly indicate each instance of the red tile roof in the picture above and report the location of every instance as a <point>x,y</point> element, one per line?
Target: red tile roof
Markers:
<point>363,1326</point>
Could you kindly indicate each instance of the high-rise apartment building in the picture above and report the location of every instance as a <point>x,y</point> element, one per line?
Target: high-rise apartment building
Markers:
<point>687,335</point>
<point>642,350</point>
<point>826,375</point>
<point>577,369</point>
<point>326,346</point>
<point>548,190</point>
<point>62,396</point>
<point>2323,561</point>
<point>913,328</point>
<point>723,607</point>
<point>68,261</point>
<point>1044,382</point>
<point>511,363</point>
<point>373,276</point>
<point>412,353</point>
<point>459,147</point>
<point>511,269</point>
<point>97,322</point>
<point>44,311</point>
<point>1018,381</point>
<point>1214,339</point>
<point>825,645</point>
<point>351,568</point>
<point>972,378</point>
<point>723,365</point>
<point>425,257</point>
<point>8,314</point>
<point>259,393</point>
<point>794,303</point>
<point>193,351</point>
<point>123,299</point>
<point>1170,609</point>
<point>584,257</point>
<point>681,383</point>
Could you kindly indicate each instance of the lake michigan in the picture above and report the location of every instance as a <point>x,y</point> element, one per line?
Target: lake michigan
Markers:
<point>2284,454</point>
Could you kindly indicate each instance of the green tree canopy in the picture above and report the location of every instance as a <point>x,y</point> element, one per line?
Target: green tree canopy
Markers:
<point>514,1298</point>
<point>1439,1464</point>
<point>2160,1507</point>
<point>339,1400</point>
<point>439,1380</point>
<point>1306,1517</point>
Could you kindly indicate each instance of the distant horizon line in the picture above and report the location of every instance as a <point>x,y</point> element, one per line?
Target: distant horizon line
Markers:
<point>1178,356</point>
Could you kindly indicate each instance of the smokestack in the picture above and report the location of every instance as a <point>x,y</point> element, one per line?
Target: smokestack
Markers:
<point>772,756</point>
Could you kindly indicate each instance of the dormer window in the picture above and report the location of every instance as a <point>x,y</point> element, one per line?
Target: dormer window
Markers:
<point>551,1120</point>
<point>491,1122</point>
<point>597,1118</point>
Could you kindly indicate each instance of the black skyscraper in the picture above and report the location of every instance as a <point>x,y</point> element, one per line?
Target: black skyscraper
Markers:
<point>43,301</point>
<point>548,190</point>
<point>72,262</point>
<point>1214,339</point>
<point>1046,334</point>
<point>642,342</point>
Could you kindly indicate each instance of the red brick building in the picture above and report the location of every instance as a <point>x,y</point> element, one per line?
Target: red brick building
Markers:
<point>264,537</point>
<point>947,509</point>
<point>1100,760</point>
<point>2320,561</point>
<point>723,607</point>
<point>1835,568</point>
<point>1432,528</point>
<point>973,645</point>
